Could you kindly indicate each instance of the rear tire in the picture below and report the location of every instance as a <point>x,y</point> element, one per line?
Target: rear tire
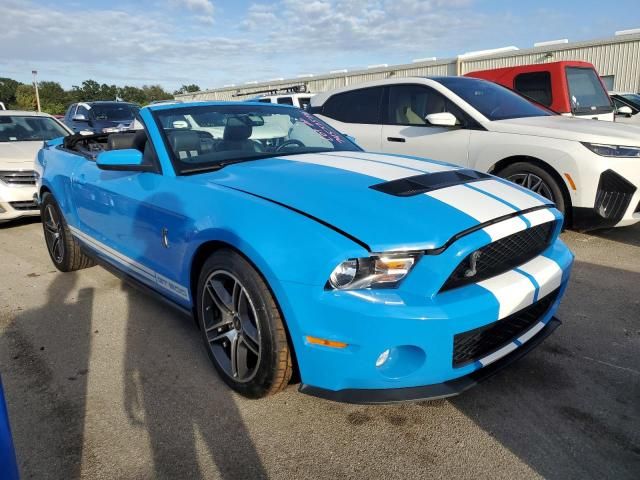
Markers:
<point>537,179</point>
<point>64,250</point>
<point>241,326</point>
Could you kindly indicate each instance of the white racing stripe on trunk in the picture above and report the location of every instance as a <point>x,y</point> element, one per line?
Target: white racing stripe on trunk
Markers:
<point>505,228</point>
<point>539,217</point>
<point>475,204</point>
<point>425,165</point>
<point>363,167</point>
<point>507,193</point>
<point>547,273</point>
<point>512,290</point>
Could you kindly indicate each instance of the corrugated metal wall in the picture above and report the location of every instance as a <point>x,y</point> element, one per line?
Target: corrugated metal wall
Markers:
<point>619,56</point>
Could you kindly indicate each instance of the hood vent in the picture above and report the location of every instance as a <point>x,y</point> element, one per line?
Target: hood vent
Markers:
<point>410,186</point>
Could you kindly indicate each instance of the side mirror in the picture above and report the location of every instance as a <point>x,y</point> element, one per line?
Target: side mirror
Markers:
<point>625,110</point>
<point>351,139</point>
<point>80,118</point>
<point>443,119</point>
<point>126,160</point>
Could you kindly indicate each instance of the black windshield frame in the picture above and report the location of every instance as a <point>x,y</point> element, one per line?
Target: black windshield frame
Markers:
<point>181,168</point>
<point>462,87</point>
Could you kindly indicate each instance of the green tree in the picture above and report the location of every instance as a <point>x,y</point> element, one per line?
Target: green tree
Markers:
<point>26,97</point>
<point>89,91</point>
<point>8,87</point>
<point>53,98</point>
<point>154,93</point>
<point>187,89</point>
<point>132,94</point>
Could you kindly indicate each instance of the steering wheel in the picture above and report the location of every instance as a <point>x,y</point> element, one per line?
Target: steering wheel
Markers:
<point>289,143</point>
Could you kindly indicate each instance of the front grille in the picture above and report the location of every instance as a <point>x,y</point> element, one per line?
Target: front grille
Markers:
<point>613,196</point>
<point>25,177</point>
<point>501,256</point>
<point>25,205</point>
<point>476,344</point>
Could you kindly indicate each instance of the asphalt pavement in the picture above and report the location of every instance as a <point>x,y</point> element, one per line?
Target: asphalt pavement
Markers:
<point>103,381</point>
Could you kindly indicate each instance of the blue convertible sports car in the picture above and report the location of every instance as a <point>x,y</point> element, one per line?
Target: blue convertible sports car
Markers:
<point>377,278</point>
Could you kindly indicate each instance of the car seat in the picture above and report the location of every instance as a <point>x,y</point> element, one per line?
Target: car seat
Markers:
<point>236,136</point>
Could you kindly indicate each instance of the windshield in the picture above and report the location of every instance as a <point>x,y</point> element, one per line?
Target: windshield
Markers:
<point>16,128</point>
<point>586,93</point>
<point>492,100</point>
<point>632,98</point>
<point>209,136</point>
<point>113,112</point>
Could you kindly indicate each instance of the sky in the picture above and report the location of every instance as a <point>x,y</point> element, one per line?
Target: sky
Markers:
<point>218,42</point>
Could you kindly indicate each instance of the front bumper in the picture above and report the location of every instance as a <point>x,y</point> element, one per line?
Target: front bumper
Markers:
<point>17,202</point>
<point>430,392</point>
<point>420,331</point>
<point>617,203</point>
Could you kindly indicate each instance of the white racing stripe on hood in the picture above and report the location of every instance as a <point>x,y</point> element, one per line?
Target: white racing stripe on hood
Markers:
<point>507,193</point>
<point>424,165</point>
<point>505,228</point>
<point>475,204</point>
<point>539,217</point>
<point>363,167</point>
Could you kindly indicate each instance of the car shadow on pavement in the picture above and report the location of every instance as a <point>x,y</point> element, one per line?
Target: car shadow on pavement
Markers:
<point>627,235</point>
<point>571,408</point>
<point>48,413</point>
<point>171,390</point>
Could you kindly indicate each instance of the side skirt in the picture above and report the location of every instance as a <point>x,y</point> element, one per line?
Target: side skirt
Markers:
<point>137,284</point>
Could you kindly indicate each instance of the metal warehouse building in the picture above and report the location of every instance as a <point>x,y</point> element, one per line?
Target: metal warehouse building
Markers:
<point>617,60</point>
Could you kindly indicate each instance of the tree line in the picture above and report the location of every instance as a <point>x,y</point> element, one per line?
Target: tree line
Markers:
<point>54,99</point>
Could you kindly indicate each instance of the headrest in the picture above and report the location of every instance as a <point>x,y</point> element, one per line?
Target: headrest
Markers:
<point>184,140</point>
<point>237,129</point>
<point>120,141</point>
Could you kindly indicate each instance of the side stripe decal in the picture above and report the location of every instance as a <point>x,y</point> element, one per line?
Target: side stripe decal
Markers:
<point>149,275</point>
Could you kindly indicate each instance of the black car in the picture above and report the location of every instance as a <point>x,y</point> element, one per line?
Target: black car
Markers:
<point>100,116</point>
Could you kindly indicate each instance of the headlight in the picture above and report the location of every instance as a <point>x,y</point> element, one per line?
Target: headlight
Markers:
<point>377,271</point>
<point>613,150</point>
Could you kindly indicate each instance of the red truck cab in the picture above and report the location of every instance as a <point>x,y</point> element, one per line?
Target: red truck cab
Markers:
<point>569,88</point>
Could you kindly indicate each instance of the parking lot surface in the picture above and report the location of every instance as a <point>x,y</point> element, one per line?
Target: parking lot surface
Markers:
<point>103,381</point>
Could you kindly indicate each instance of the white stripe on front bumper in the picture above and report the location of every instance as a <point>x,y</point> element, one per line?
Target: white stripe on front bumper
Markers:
<point>547,273</point>
<point>512,290</point>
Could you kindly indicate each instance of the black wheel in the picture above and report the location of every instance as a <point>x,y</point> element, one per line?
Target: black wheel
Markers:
<point>536,179</point>
<point>63,248</point>
<point>242,327</point>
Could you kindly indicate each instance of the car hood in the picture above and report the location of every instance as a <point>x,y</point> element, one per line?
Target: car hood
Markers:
<point>335,189</point>
<point>570,128</point>
<point>18,155</point>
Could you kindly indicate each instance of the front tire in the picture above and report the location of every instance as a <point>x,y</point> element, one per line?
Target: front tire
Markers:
<point>63,248</point>
<point>536,179</point>
<point>241,326</point>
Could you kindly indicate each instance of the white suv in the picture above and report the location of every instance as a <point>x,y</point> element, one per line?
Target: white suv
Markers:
<point>591,170</point>
<point>300,100</point>
<point>21,136</point>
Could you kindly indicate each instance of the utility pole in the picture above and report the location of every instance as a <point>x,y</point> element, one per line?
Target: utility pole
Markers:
<point>35,85</point>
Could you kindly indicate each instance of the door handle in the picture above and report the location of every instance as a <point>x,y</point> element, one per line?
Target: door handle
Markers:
<point>396,139</point>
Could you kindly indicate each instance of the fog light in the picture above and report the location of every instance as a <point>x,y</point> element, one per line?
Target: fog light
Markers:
<point>384,356</point>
